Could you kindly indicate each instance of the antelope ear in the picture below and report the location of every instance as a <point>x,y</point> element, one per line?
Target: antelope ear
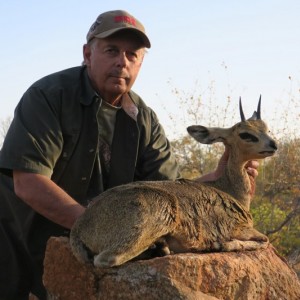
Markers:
<point>206,135</point>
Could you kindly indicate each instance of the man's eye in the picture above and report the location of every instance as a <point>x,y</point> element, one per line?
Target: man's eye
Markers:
<point>132,56</point>
<point>111,51</point>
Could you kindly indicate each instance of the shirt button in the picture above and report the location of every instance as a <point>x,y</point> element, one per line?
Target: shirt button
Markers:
<point>83,178</point>
<point>91,150</point>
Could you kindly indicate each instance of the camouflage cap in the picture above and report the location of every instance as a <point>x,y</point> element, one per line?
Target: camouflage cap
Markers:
<point>111,22</point>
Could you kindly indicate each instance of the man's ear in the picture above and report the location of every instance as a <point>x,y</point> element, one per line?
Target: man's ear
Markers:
<point>87,54</point>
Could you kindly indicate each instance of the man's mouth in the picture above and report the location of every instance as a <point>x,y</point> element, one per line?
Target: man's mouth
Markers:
<point>119,75</point>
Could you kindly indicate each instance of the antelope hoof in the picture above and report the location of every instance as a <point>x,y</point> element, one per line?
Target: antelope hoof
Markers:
<point>237,245</point>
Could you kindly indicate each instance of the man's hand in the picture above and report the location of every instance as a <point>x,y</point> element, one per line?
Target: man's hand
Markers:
<point>251,168</point>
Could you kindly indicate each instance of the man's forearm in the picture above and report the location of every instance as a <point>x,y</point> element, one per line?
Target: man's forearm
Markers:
<point>46,198</point>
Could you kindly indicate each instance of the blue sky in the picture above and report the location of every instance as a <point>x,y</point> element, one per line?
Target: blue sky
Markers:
<point>246,48</point>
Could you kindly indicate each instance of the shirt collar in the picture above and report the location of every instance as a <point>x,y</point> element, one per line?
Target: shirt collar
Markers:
<point>129,106</point>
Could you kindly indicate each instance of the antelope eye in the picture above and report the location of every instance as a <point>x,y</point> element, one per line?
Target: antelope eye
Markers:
<point>248,137</point>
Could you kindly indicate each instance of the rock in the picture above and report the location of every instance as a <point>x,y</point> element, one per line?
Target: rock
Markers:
<point>260,274</point>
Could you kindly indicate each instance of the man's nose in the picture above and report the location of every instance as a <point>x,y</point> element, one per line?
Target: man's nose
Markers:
<point>122,59</point>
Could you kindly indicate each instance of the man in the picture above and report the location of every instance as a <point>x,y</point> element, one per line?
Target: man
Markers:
<point>75,133</point>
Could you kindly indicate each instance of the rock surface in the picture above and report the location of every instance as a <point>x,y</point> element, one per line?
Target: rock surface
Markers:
<point>259,274</point>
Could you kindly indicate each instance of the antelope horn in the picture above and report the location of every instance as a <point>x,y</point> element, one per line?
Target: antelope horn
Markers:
<point>241,111</point>
<point>258,109</point>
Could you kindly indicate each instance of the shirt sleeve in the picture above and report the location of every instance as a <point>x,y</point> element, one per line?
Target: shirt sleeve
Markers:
<point>157,161</point>
<point>34,140</point>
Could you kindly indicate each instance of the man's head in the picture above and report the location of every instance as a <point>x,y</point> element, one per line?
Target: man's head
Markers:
<point>114,53</point>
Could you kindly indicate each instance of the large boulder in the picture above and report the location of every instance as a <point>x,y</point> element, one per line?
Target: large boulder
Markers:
<point>260,274</point>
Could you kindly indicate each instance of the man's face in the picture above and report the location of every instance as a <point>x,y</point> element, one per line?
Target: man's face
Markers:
<point>113,64</point>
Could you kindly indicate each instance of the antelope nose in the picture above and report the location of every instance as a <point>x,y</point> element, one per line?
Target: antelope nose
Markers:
<point>273,145</point>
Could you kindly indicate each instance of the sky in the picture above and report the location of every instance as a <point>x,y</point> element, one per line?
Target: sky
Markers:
<point>241,48</point>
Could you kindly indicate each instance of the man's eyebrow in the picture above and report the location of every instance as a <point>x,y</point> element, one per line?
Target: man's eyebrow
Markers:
<point>130,48</point>
<point>111,45</point>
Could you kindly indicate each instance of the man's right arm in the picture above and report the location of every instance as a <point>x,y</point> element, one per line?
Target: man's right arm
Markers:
<point>47,198</point>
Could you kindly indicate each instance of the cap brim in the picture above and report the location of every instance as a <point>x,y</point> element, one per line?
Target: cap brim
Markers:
<point>110,32</point>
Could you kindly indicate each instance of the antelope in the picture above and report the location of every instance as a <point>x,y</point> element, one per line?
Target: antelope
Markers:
<point>180,216</point>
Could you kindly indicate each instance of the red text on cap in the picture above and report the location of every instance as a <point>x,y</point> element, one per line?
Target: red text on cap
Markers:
<point>125,19</point>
